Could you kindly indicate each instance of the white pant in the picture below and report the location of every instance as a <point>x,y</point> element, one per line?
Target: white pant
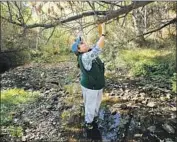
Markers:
<point>92,101</point>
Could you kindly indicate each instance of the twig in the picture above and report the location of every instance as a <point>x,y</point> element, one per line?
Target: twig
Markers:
<point>9,12</point>
<point>124,19</point>
<point>114,14</point>
<point>20,14</point>
<point>50,35</point>
<point>155,30</point>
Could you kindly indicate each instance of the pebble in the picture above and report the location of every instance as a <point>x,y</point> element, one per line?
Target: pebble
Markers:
<point>168,128</point>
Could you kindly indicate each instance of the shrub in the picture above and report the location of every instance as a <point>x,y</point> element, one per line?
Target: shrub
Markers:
<point>173,80</point>
<point>15,131</point>
<point>13,99</point>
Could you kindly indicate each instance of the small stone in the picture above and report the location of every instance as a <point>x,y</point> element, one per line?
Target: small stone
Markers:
<point>23,138</point>
<point>49,107</point>
<point>173,109</point>
<point>168,140</point>
<point>27,130</point>
<point>152,128</point>
<point>162,98</point>
<point>123,106</point>
<point>32,137</point>
<point>151,104</point>
<point>168,96</point>
<point>45,112</point>
<point>168,128</point>
<point>145,101</point>
<point>138,135</point>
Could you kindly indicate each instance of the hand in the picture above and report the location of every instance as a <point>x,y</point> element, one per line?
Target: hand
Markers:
<point>103,26</point>
<point>100,30</point>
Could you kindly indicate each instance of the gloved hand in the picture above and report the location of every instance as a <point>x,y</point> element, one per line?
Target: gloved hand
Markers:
<point>101,29</point>
<point>103,26</point>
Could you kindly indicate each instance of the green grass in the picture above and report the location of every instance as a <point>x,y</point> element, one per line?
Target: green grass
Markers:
<point>145,62</point>
<point>173,80</point>
<point>15,131</point>
<point>52,58</point>
<point>13,100</point>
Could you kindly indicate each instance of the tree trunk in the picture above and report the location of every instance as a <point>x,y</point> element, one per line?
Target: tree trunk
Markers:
<point>139,24</point>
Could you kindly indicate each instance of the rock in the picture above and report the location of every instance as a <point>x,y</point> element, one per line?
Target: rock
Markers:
<point>123,106</point>
<point>45,112</point>
<point>138,135</point>
<point>55,97</point>
<point>173,109</point>
<point>168,128</point>
<point>26,122</point>
<point>168,140</point>
<point>145,101</point>
<point>49,107</point>
<point>152,129</point>
<point>151,104</point>
<point>162,98</point>
<point>32,137</point>
<point>23,138</point>
<point>168,96</point>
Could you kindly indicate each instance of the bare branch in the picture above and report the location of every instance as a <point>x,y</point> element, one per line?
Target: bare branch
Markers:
<point>20,19</point>
<point>13,22</point>
<point>9,11</point>
<point>100,4</point>
<point>111,3</point>
<point>123,10</point>
<point>93,8</point>
<point>124,19</point>
<point>107,16</point>
<point>155,30</point>
<point>51,35</point>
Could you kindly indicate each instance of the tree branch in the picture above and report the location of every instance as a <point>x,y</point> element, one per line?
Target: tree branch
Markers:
<point>108,16</point>
<point>50,35</point>
<point>13,22</point>
<point>155,30</point>
<point>20,19</point>
<point>10,14</point>
<point>115,4</point>
<point>123,10</point>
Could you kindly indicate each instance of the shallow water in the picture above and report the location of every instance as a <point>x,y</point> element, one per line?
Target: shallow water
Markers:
<point>109,125</point>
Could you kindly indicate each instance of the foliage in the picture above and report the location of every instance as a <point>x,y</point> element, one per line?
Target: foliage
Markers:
<point>72,88</point>
<point>173,80</point>
<point>65,115</point>
<point>15,39</point>
<point>13,99</point>
<point>146,62</point>
<point>15,131</point>
<point>19,58</point>
<point>49,57</point>
<point>52,50</point>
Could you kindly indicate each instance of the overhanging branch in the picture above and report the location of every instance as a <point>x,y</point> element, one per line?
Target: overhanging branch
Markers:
<point>108,15</point>
<point>155,30</point>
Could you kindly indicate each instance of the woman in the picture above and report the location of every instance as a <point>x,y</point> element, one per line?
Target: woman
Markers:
<point>92,76</point>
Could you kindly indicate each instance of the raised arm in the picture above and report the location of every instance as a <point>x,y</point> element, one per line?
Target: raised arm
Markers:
<point>96,50</point>
<point>101,29</point>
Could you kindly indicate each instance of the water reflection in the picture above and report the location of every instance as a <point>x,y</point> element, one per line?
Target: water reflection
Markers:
<point>109,125</point>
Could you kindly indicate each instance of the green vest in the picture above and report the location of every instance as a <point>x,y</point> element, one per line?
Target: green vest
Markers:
<point>94,78</point>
